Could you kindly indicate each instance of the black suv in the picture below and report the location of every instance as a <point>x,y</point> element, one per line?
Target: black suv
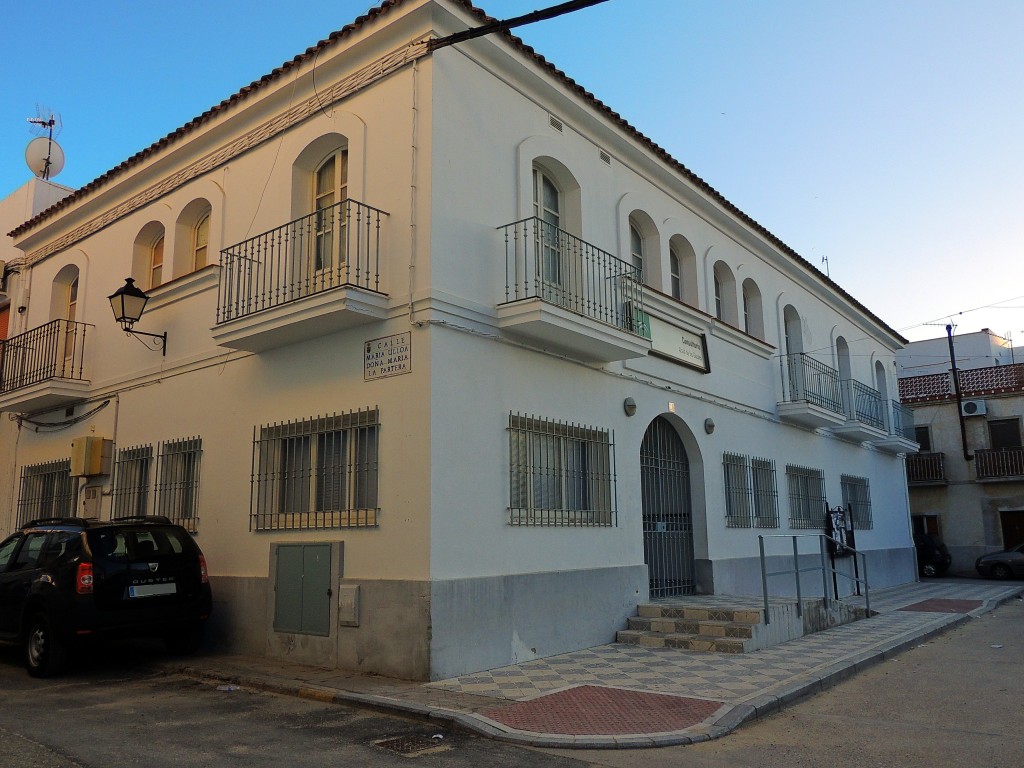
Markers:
<point>62,579</point>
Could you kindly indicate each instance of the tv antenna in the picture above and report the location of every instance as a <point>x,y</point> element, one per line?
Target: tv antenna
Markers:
<point>43,154</point>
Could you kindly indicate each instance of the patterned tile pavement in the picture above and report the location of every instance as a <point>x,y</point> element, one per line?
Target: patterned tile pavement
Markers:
<point>588,698</point>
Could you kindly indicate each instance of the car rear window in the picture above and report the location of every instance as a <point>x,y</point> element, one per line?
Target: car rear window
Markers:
<point>139,543</point>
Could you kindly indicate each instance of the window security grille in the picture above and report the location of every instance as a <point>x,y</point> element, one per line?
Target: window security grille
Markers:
<point>132,481</point>
<point>751,498</point>
<point>806,497</point>
<point>560,474</point>
<point>766,494</point>
<point>857,497</point>
<point>738,494</point>
<point>47,490</point>
<point>177,481</point>
<point>316,473</point>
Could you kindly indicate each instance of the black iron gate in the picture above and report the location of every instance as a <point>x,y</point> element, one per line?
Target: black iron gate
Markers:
<point>668,518</point>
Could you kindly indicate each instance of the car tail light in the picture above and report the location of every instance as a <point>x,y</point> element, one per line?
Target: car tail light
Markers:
<point>83,579</point>
<point>204,575</point>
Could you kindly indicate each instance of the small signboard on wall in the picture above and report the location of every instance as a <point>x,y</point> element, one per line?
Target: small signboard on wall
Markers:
<point>387,356</point>
<point>679,345</point>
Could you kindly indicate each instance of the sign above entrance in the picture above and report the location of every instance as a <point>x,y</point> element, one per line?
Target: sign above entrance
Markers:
<point>387,356</point>
<point>681,346</point>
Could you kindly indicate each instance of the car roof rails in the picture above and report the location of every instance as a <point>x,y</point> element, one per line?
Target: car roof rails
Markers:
<point>81,522</point>
<point>142,519</point>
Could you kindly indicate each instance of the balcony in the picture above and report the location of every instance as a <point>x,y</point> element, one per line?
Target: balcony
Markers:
<point>566,294</point>
<point>311,277</point>
<point>811,393</point>
<point>999,463</point>
<point>900,437</point>
<point>926,469</point>
<point>865,412</point>
<point>43,368</point>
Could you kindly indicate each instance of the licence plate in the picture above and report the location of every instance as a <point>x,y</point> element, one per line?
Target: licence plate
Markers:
<point>148,590</point>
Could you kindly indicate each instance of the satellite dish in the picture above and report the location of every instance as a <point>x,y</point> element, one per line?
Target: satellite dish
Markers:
<point>44,157</point>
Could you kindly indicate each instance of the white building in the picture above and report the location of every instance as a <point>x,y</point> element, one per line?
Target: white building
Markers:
<point>419,405</point>
<point>972,350</point>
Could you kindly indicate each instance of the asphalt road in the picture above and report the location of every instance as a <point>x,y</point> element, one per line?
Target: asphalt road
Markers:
<point>953,701</point>
<point>113,711</point>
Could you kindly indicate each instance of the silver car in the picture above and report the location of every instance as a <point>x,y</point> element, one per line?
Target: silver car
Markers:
<point>1002,565</point>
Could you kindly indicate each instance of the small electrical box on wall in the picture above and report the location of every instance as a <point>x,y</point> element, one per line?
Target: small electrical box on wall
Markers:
<point>91,456</point>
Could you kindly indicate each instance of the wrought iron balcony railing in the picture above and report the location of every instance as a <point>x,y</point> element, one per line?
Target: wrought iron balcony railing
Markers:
<point>55,350</point>
<point>863,403</point>
<point>338,246</point>
<point>902,421</point>
<point>991,463</point>
<point>547,263</point>
<point>809,380</point>
<point>926,468</point>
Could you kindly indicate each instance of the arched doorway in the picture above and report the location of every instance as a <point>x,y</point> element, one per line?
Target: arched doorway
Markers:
<point>667,511</point>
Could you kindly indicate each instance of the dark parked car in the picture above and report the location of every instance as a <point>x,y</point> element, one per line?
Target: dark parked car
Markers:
<point>1002,565</point>
<point>62,579</point>
<point>933,558</point>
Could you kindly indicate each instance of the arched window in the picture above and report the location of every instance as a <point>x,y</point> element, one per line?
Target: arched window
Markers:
<point>676,282</point>
<point>636,248</point>
<point>793,330</point>
<point>201,242</point>
<point>683,263</point>
<point>156,261</point>
<point>725,294</point>
<point>753,315</point>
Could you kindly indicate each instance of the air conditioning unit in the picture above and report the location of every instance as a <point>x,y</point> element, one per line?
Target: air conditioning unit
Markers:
<point>973,408</point>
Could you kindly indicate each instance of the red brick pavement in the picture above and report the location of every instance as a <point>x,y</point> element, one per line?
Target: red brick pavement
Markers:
<point>591,710</point>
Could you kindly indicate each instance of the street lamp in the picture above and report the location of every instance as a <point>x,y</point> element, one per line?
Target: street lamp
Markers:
<point>128,301</point>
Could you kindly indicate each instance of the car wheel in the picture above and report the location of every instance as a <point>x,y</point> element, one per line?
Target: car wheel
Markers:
<point>184,642</point>
<point>1001,571</point>
<point>929,570</point>
<point>45,653</point>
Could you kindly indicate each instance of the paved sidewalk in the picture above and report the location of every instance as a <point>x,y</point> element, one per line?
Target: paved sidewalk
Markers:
<point>628,696</point>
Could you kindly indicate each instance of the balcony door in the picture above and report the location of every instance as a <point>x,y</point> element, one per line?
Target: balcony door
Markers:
<point>328,248</point>
<point>70,312</point>
<point>547,208</point>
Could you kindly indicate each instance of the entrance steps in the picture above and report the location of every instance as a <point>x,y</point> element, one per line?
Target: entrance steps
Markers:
<point>725,624</point>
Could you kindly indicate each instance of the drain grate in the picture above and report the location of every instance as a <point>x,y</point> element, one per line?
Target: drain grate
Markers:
<point>413,745</point>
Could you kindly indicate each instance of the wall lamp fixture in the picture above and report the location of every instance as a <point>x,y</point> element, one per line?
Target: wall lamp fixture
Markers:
<point>128,301</point>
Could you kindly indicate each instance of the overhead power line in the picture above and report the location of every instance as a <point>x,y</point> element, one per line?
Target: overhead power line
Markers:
<point>518,21</point>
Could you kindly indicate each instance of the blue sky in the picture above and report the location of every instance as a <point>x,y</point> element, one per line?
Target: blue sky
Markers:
<point>885,136</point>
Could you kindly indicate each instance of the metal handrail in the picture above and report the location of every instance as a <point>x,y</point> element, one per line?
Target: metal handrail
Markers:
<point>545,262</point>
<point>824,568</point>
<point>55,350</point>
<point>334,247</point>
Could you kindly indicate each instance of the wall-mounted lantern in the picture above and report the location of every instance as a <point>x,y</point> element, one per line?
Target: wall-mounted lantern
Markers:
<point>128,302</point>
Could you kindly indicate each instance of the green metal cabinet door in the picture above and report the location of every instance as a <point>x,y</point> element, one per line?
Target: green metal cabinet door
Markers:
<point>302,590</point>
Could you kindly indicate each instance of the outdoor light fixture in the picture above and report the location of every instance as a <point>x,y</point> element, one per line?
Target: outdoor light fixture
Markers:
<point>128,301</point>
